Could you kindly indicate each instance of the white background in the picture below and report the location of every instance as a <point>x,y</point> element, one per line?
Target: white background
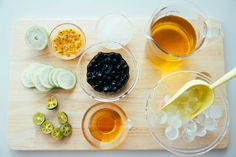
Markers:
<point>12,10</point>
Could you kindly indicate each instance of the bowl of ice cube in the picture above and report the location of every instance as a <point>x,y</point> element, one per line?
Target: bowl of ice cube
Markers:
<point>172,130</point>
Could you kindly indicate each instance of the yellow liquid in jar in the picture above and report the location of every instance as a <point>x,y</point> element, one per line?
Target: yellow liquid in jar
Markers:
<point>105,125</point>
<point>174,35</point>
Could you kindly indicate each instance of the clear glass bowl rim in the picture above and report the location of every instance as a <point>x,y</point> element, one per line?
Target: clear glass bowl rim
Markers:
<point>190,152</point>
<point>122,135</point>
<point>119,96</point>
<point>64,24</point>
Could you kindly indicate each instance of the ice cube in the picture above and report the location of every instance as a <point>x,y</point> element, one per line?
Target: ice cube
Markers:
<point>190,125</point>
<point>171,133</point>
<point>200,118</point>
<point>215,112</point>
<point>174,122</point>
<point>201,131</point>
<point>188,135</point>
<point>161,117</point>
<point>172,111</point>
<point>210,124</point>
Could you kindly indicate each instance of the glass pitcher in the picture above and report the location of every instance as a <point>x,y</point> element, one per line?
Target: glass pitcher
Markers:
<point>176,32</point>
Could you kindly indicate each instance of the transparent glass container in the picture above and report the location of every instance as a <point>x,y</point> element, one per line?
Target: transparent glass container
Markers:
<point>126,126</point>
<point>168,86</point>
<point>106,47</point>
<point>161,58</point>
<point>61,27</point>
<point>114,27</point>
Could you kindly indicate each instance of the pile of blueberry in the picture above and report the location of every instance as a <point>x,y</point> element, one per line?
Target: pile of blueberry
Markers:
<point>107,72</point>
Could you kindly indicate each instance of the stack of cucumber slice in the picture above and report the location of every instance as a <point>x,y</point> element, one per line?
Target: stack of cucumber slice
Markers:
<point>46,77</point>
<point>47,127</point>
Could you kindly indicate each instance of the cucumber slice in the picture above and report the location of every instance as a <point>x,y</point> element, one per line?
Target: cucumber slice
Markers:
<point>26,80</point>
<point>51,103</point>
<point>66,129</point>
<point>50,79</point>
<point>38,118</point>
<point>62,117</point>
<point>44,76</point>
<point>35,78</point>
<point>40,87</point>
<point>66,80</point>
<point>36,38</point>
<point>54,76</point>
<point>57,134</point>
<point>47,127</point>
<point>34,70</point>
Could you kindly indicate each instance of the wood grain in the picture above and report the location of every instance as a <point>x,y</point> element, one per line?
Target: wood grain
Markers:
<point>23,103</point>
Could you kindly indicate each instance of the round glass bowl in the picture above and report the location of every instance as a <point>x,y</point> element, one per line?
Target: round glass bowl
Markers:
<point>75,52</point>
<point>110,141</point>
<point>106,47</point>
<point>114,27</point>
<point>200,143</point>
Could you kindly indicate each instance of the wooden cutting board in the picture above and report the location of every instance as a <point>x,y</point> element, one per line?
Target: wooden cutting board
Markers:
<point>23,103</point>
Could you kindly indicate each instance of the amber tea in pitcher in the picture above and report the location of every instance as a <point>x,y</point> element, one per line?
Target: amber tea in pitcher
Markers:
<point>175,32</point>
<point>174,35</point>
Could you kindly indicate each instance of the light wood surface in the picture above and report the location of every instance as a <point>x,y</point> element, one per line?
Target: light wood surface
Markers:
<point>23,103</point>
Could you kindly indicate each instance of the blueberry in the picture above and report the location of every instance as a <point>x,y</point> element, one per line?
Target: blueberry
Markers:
<point>107,72</point>
<point>117,77</point>
<point>89,74</point>
<point>106,89</point>
<point>114,60</point>
<point>104,77</point>
<point>104,68</point>
<point>97,88</point>
<point>109,59</point>
<point>99,74</point>
<point>118,67</point>
<point>113,83</point>
<point>119,85</point>
<point>89,80</point>
<point>125,66</point>
<point>114,89</point>
<point>118,56</point>
<point>113,72</point>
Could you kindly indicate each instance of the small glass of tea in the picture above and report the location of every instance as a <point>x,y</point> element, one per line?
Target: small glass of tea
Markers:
<point>105,125</point>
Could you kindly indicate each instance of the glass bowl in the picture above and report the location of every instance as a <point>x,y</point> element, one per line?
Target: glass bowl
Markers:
<point>106,47</point>
<point>199,143</point>
<point>103,144</point>
<point>61,27</point>
<point>114,27</point>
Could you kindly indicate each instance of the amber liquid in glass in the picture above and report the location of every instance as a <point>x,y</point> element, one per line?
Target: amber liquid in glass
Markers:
<point>174,35</point>
<point>105,125</point>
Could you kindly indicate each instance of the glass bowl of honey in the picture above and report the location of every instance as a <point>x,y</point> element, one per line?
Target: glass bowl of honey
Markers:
<point>67,41</point>
<point>107,71</point>
<point>169,128</point>
<point>105,125</point>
